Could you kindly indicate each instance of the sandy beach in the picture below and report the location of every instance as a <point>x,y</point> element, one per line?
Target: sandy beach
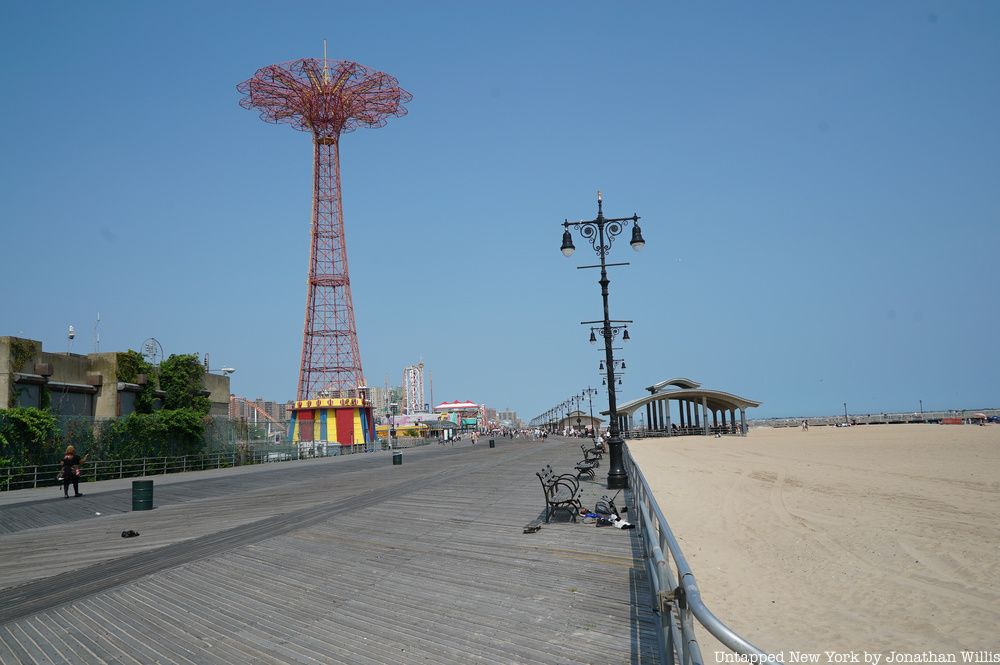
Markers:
<point>872,538</point>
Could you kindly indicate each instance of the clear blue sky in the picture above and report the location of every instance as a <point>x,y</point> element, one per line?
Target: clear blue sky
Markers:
<point>819,186</point>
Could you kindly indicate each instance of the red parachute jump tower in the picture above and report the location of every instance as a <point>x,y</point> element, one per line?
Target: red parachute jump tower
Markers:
<point>327,99</point>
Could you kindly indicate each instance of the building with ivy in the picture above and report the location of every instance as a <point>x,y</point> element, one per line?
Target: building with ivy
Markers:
<point>96,385</point>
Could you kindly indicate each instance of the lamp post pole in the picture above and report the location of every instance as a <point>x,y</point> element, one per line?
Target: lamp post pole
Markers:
<point>590,392</point>
<point>392,423</point>
<point>601,233</point>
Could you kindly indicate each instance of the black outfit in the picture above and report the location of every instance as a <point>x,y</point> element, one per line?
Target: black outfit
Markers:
<point>69,462</point>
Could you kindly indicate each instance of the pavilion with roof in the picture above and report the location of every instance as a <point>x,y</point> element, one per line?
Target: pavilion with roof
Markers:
<point>681,406</point>
<point>468,415</point>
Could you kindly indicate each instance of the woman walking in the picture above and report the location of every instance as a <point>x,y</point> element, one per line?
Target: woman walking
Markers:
<point>71,471</point>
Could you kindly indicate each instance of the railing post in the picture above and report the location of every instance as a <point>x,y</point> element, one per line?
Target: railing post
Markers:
<point>36,477</point>
<point>143,467</point>
<point>121,469</point>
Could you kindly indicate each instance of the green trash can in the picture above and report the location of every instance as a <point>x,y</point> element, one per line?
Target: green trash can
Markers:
<point>142,495</point>
<point>397,459</point>
<point>493,444</point>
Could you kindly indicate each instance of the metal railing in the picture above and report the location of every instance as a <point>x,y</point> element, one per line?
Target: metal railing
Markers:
<point>45,475</point>
<point>687,430</point>
<point>888,418</point>
<point>675,595</point>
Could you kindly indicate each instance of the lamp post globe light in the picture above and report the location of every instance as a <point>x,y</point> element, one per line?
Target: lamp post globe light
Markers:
<point>601,232</point>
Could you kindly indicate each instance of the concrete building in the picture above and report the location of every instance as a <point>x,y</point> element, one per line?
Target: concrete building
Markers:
<point>579,421</point>
<point>79,385</point>
<point>509,418</point>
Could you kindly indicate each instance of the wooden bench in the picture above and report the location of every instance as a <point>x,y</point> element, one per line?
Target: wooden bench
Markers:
<point>591,455</point>
<point>561,492</point>
<point>551,476</point>
<point>585,468</point>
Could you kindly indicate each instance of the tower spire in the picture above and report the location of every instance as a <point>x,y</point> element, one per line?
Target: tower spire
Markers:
<point>293,93</point>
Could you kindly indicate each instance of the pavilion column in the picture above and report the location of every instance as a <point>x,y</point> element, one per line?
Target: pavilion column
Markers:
<point>681,408</point>
<point>666,403</point>
<point>715,418</point>
<point>743,420</point>
<point>732,419</point>
<point>697,415</point>
<point>649,418</point>
<point>723,414</point>
<point>659,406</point>
<point>704,413</point>
<point>690,410</point>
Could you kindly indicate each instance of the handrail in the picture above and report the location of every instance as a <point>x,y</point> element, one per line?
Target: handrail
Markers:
<point>676,600</point>
<point>44,475</point>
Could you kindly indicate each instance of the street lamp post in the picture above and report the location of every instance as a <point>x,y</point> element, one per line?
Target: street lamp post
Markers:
<point>601,233</point>
<point>392,422</point>
<point>589,393</point>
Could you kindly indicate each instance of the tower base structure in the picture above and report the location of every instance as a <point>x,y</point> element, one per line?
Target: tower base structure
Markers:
<point>344,421</point>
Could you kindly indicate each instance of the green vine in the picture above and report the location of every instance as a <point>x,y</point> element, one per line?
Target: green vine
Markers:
<point>21,351</point>
<point>129,366</point>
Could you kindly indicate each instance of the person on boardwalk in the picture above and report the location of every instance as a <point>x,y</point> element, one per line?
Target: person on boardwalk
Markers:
<point>71,471</point>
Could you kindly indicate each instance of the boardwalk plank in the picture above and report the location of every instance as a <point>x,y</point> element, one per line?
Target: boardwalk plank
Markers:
<point>75,636</point>
<point>353,561</point>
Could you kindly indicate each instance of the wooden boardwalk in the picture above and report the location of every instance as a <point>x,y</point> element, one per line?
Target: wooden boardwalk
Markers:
<point>338,560</point>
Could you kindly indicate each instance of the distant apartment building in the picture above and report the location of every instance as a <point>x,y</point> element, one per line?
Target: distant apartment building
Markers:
<point>382,399</point>
<point>509,417</point>
<point>241,408</point>
<point>413,389</point>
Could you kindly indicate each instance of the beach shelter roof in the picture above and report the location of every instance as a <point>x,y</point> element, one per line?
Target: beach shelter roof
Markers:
<point>715,399</point>
<point>679,382</point>
<point>456,406</point>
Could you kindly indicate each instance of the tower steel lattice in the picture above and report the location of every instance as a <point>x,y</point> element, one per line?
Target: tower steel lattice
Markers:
<point>327,99</point>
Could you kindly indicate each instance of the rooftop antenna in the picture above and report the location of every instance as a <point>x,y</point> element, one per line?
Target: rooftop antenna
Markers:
<point>326,72</point>
<point>97,334</point>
